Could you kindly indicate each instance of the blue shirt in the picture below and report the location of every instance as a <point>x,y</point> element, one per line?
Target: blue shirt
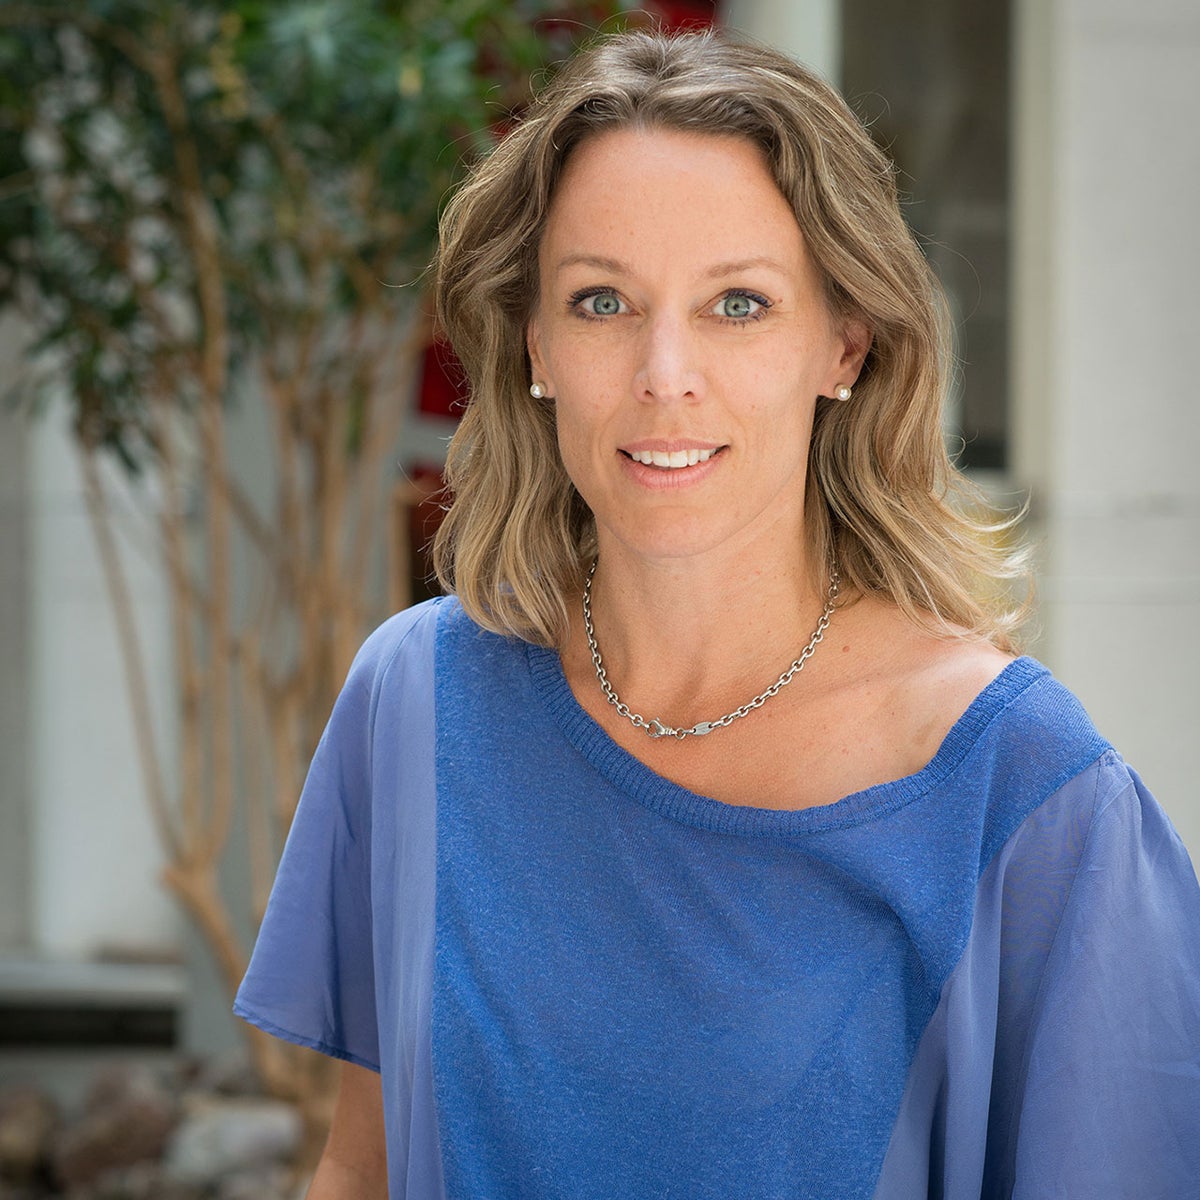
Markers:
<point>578,979</point>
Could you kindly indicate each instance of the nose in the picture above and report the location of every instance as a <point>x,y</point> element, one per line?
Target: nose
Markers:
<point>669,369</point>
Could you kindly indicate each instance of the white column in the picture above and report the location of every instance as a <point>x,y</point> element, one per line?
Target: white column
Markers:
<point>15,806</point>
<point>93,853</point>
<point>1108,258</point>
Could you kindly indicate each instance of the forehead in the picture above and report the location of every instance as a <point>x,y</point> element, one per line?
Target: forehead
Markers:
<point>664,193</point>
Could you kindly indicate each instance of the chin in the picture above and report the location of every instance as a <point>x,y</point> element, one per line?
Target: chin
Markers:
<point>662,539</point>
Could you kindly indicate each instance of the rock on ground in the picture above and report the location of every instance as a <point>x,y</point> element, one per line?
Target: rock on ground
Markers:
<point>127,1119</point>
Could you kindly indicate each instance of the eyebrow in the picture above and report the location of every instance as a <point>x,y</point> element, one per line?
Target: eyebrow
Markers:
<point>594,260</point>
<point>717,271</point>
<point>744,264</point>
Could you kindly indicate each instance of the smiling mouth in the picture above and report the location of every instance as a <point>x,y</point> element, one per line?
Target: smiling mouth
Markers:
<point>673,460</point>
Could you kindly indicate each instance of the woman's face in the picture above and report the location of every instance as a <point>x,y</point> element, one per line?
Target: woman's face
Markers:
<point>682,330</point>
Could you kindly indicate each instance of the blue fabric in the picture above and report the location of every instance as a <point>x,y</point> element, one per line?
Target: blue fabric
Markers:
<point>344,959</point>
<point>1063,1059</point>
<point>982,980</point>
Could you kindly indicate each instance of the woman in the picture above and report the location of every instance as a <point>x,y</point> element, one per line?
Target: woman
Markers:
<point>712,842</point>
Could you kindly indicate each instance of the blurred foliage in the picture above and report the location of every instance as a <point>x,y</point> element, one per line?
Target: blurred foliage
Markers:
<point>295,153</point>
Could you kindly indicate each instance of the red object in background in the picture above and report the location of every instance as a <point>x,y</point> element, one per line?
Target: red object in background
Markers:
<point>443,388</point>
<point>684,14</point>
<point>670,15</point>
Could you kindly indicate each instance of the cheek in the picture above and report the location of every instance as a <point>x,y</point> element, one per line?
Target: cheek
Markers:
<point>789,384</point>
<point>575,432</point>
<point>582,444</point>
<point>570,434</point>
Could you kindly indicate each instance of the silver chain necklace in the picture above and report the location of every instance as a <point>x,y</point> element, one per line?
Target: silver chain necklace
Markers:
<point>656,728</point>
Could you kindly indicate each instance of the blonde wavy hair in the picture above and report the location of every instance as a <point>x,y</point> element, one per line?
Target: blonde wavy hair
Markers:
<point>883,499</point>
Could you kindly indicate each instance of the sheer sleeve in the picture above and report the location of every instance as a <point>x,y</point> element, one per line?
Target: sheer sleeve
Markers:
<point>1110,1102</point>
<point>311,978</point>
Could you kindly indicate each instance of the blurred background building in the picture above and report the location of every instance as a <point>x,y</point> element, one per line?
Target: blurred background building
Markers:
<point>1050,162</point>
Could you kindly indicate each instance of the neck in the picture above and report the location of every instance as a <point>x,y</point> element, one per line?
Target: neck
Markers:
<point>691,636</point>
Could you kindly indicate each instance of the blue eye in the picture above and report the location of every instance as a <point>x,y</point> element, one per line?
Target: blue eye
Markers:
<point>741,306</point>
<point>597,302</point>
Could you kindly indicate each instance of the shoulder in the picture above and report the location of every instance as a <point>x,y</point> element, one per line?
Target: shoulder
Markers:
<point>397,657</point>
<point>926,693</point>
<point>404,648</point>
<point>390,639</point>
<point>938,679</point>
<point>1041,772</point>
<point>435,641</point>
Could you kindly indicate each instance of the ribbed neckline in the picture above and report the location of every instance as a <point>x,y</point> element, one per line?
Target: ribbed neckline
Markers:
<point>638,781</point>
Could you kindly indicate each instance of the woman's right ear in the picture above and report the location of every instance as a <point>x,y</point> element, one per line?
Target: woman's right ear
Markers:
<point>537,364</point>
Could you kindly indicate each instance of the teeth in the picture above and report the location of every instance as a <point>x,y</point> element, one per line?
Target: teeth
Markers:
<point>672,461</point>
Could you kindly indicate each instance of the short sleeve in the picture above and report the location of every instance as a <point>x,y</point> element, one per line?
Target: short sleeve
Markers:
<point>1110,1103</point>
<point>311,977</point>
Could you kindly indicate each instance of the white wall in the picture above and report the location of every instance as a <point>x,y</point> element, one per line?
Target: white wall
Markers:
<point>808,31</point>
<point>93,854</point>
<point>1109,427</point>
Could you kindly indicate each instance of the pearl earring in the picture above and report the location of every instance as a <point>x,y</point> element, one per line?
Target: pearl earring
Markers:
<point>843,392</point>
<point>537,390</point>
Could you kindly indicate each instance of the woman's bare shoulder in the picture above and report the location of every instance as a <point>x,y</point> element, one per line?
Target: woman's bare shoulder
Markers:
<point>917,652</point>
<point>923,680</point>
